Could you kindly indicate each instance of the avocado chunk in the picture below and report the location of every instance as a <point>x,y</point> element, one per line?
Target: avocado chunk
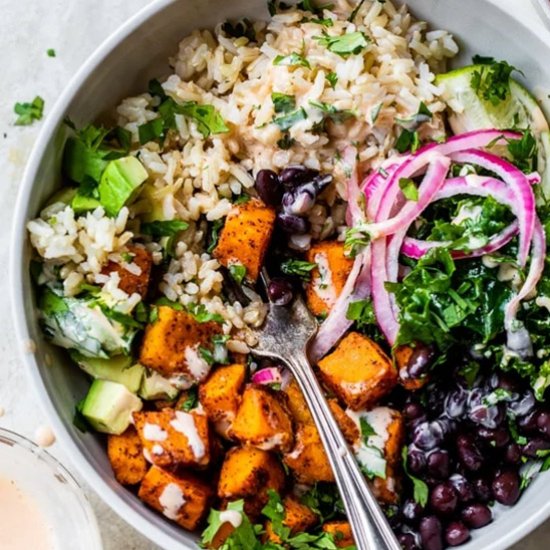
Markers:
<point>108,406</point>
<point>155,386</point>
<point>116,369</point>
<point>120,183</point>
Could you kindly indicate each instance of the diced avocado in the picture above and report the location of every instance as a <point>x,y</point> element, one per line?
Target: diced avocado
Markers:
<point>81,203</point>
<point>116,369</point>
<point>81,325</point>
<point>120,183</point>
<point>108,406</point>
<point>155,386</point>
<point>64,195</point>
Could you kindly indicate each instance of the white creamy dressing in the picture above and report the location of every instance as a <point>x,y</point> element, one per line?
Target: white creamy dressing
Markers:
<point>370,453</point>
<point>197,366</point>
<point>271,442</point>
<point>467,213</point>
<point>171,500</point>
<point>231,516</point>
<point>322,284</point>
<point>22,524</point>
<point>181,381</point>
<point>153,432</point>
<point>157,449</point>
<point>185,424</point>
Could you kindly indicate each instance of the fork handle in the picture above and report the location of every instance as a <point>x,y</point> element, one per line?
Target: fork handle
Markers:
<point>370,527</point>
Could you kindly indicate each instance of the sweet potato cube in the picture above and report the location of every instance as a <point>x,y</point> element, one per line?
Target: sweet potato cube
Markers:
<point>329,277</point>
<point>170,344</point>
<point>358,372</point>
<point>172,438</point>
<point>263,420</point>
<point>125,454</point>
<point>132,282</point>
<point>245,237</point>
<point>341,531</point>
<point>297,403</point>
<point>182,498</point>
<point>404,357</point>
<point>220,394</point>
<point>249,473</point>
<point>308,460</point>
<point>298,518</point>
<point>346,424</point>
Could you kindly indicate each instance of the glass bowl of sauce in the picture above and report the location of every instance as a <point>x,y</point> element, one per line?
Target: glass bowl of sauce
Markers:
<point>42,506</point>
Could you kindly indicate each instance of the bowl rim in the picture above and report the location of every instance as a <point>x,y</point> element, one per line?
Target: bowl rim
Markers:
<point>57,468</point>
<point>21,321</point>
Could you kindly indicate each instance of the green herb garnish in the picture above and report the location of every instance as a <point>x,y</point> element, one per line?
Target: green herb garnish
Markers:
<point>29,112</point>
<point>491,82</point>
<point>347,44</point>
<point>50,52</point>
<point>237,272</point>
<point>166,228</point>
<point>292,60</point>
<point>409,189</point>
<point>332,79</point>
<point>420,487</point>
<point>299,268</point>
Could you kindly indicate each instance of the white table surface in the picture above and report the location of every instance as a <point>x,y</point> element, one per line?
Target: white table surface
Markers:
<point>73,28</point>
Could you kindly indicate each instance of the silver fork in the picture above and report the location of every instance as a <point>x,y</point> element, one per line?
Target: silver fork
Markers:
<point>284,337</point>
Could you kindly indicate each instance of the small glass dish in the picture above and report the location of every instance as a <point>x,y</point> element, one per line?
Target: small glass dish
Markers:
<point>53,490</point>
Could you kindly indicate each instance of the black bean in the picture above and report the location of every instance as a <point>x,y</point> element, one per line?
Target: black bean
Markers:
<point>464,489</point>
<point>498,437</point>
<point>416,461</point>
<point>512,454</point>
<point>528,423</point>
<point>506,487</point>
<point>489,417</point>
<point>455,403</point>
<point>428,435</point>
<point>543,423</point>
<point>468,453</point>
<point>438,464</point>
<point>407,541</point>
<point>533,447</point>
<point>476,515</point>
<point>292,224</point>
<point>412,512</point>
<point>456,533</point>
<point>431,533</point>
<point>269,187</point>
<point>420,360</point>
<point>292,176</point>
<point>413,410</point>
<point>524,405</point>
<point>280,291</point>
<point>482,489</point>
<point>443,499</point>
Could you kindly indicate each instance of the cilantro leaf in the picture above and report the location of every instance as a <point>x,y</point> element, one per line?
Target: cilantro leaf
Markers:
<point>292,60</point>
<point>491,82</point>
<point>420,488</point>
<point>366,429</point>
<point>150,131</point>
<point>409,189</point>
<point>524,151</point>
<point>214,235</point>
<point>330,112</point>
<point>332,79</point>
<point>286,121</point>
<point>208,120</point>
<point>237,272</point>
<point>347,44</point>
<point>407,141</point>
<point>283,103</point>
<point>191,400</point>
<point>299,268</point>
<point>50,52</point>
<point>356,240</point>
<point>202,315</point>
<point>163,228</point>
<point>29,112</point>
<point>362,312</point>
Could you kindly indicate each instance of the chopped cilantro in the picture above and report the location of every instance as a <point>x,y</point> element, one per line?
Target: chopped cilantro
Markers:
<point>299,268</point>
<point>286,142</point>
<point>202,315</point>
<point>470,371</point>
<point>409,189</point>
<point>243,198</point>
<point>166,228</point>
<point>330,112</point>
<point>332,79</point>
<point>347,44</point>
<point>292,60</point>
<point>420,487</point>
<point>524,151</point>
<point>362,312</point>
<point>150,131</point>
<point>50,52</point>
<point>286,121</point>
<point>407,141</point>
<point>366,429</point>
<point>491,82</point>
<point>237,272</point>
<point>375,113</point>
<point>497,396</point>
<point>283,103</point>
<point>191,400</point>
<point>214,235</point>
<point>483,60</point>
<point>29,112</point>
<point>356,240</point>
<point>206,354</point>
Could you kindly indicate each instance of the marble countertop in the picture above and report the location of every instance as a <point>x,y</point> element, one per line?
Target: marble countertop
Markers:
<point>73,28</point>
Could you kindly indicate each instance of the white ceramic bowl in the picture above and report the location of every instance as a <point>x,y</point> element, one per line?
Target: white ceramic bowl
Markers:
<point>122,66</point>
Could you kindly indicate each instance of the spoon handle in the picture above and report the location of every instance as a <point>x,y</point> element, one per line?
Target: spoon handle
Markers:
<point>368,523</point>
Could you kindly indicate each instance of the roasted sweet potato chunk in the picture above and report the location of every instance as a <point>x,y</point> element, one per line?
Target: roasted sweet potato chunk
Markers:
<point>245,237</point>
<point>171,344</point>
<point>220,394</point>
<point>329,277</point>
<point>346,424</point>
<point>183,498</point>
<point>249,473</point>
<point>174,438</point>
<point>358,372</point>
<point>308,460</point>
<point>125,454</point>
<point>133,282</point>
<point>341,531</point>
<point>298,518</point>
<point>297,403</point>
<point>263,420</point>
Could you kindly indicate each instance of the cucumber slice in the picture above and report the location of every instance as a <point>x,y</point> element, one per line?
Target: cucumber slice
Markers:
<point>116,369</point>
<point>108,407</point>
